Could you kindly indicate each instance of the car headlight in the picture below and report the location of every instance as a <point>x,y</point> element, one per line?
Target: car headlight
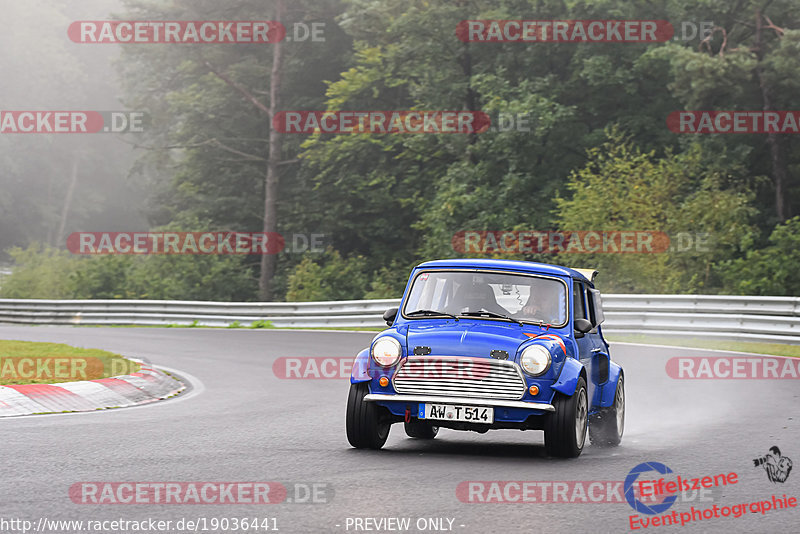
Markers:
<point>535,360</point>
<point>386,351</point>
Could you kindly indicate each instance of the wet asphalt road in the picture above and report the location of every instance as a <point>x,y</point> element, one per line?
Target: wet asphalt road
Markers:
<point>241,423</point>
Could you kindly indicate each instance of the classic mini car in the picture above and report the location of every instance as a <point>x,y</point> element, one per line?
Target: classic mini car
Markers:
<point>488,344</point>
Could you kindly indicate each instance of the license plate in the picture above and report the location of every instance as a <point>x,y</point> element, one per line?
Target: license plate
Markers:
<point>450,412</point>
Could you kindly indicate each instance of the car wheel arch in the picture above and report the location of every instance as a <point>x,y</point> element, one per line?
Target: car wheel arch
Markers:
<point>567,381</point>
<point>360,370</point>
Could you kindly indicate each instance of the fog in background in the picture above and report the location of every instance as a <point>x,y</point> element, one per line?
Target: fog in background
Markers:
<point>596,153</point>
<point>41,69</point>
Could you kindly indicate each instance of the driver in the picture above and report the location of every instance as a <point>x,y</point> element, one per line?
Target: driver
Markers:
<point>542,305</point>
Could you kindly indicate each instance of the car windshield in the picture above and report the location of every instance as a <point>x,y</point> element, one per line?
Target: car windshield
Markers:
<point>519,297</point>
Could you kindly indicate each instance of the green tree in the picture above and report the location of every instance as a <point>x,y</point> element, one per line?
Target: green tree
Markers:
<point>409,57</point>
<point>331,278</point>
<point>211,134</point>
<point>623,188</point>
<point>751,61</point>
<point>767,271</point>
<point>40,272</point>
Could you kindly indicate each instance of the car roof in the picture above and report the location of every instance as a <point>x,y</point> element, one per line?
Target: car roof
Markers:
<point>513,265</point>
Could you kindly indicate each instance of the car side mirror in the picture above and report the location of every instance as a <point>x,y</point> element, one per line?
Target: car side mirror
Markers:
<point>389,315</point>
<point>582,326</point>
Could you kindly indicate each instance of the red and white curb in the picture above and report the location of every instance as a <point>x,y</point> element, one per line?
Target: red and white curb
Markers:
<point>146,385</point>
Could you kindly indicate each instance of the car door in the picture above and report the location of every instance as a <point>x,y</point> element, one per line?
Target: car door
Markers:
<point>599,348</point>
<point>588,342</point>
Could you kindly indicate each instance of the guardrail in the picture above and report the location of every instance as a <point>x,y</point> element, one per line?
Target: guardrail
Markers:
<point>767,319</point>
<point>346,313</point>
<point>770,319</point>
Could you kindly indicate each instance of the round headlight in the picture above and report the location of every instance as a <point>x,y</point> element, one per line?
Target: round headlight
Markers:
<point>535,360</point>
<point>386,351</point>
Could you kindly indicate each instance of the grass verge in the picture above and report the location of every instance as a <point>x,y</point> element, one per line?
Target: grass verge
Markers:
<point>777,349</point>
<point>28,362</point>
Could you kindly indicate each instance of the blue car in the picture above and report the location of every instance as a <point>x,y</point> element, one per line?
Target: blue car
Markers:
<point>491,344</point>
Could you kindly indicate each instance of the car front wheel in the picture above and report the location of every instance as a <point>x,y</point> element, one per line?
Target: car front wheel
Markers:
<point>565,429</point>
<point>367,423</point>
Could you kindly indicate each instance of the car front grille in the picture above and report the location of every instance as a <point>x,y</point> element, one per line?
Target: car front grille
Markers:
<point>457,376</point>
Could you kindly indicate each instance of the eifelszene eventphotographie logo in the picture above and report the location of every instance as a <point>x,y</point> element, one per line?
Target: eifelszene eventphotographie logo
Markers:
<point>777,467</point>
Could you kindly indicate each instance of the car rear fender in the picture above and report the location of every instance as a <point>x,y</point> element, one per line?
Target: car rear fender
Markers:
<point>610,387</point>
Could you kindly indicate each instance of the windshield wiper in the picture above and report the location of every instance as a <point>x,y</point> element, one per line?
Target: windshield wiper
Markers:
<point>431,312</point>
<point>488,313</point>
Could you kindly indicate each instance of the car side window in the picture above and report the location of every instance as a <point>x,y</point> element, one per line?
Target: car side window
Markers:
<point>597,306</point>
<point>590,308</point>
<point>578,300</point>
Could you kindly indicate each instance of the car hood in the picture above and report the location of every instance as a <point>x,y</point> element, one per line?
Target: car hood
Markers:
<point>465,337</point>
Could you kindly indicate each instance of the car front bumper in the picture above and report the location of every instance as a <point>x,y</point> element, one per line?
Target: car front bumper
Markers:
<point>507,413</point>
<point>468,401</point>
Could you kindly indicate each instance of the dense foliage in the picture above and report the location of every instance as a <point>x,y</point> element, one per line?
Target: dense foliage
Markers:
<point>595,152</point>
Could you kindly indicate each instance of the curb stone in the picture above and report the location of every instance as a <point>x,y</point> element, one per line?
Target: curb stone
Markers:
<point>145,386</point>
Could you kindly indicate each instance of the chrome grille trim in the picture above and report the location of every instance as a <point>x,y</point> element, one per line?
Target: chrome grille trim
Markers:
<point>492,379</point>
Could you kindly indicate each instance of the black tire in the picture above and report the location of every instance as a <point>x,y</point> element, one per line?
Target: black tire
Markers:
<point>367,423</point>
<point>565,429</point>
<point>607,427</point>
<point>421,429</point>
